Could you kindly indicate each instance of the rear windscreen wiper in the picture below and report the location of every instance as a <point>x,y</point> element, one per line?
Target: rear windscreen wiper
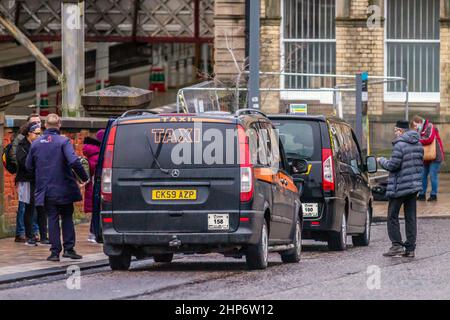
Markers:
<point>155,159</point>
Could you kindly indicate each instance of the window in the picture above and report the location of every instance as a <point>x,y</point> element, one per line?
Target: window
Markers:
<point>337,139</point>
<point>300,139</point>
<point>350,150</point>
<point>258,150</point>
<point>356,151</point>
<point>271,142</point>
<point>308,43</point>
<point>413,48</point>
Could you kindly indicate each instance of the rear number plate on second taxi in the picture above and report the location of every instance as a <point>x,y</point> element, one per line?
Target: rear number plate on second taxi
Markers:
<point>218,222</point>
<point>174,194</point>
<point>310,210</point>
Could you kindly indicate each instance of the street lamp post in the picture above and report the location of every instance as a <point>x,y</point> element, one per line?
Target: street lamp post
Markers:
<point>254,53</point>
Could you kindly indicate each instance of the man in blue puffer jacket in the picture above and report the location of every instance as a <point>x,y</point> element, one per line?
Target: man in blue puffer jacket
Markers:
<point>405,181</point>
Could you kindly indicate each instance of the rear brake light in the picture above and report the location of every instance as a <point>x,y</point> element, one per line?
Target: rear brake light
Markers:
<point>107,220</point>
<point>112,136</point>
<point>107,166</point>
<point>246,184</point>
<point>327,170</point>
<point>107,185</point>
<point>177,114</point>
<point>246,187</point>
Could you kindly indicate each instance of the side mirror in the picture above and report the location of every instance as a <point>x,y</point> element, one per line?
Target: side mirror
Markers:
<point>372,165</point>
<point>299,166</point>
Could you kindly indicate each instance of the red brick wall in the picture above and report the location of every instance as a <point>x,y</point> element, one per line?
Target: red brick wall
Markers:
<point>11,197</point>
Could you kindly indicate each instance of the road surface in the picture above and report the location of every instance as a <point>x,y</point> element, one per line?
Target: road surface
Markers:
<point>358,273</point>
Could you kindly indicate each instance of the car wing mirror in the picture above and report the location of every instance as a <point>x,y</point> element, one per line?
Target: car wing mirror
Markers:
<point>299,166</point>
<point>371,164</point>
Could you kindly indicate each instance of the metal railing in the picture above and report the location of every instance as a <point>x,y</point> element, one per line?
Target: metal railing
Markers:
<point>181,98</point>
<point>372,80</point>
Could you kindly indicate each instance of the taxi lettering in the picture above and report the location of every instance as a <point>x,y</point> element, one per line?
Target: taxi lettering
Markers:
<point>181,135</point>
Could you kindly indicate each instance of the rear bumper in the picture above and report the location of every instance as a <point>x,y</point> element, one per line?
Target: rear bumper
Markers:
<point>328,219</point>
<point>246,233</point>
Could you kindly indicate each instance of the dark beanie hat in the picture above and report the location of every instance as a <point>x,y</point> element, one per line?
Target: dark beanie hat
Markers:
<point>402,124</point>
<point>29,127</point>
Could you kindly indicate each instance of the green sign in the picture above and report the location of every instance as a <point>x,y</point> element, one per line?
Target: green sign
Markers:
<point>298,108</point>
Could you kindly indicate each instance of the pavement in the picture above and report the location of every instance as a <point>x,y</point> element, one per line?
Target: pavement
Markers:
<point>425,209</point>
<point>19,262</point>
<point>357,273</point>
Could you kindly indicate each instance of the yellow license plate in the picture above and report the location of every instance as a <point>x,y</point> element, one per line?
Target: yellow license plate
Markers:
<point>167,194</point>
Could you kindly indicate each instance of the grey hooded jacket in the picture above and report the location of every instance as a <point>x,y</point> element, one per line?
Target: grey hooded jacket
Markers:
<point>405,166</point>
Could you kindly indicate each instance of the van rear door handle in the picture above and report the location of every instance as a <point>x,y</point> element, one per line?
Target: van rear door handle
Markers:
<point>176,214</point>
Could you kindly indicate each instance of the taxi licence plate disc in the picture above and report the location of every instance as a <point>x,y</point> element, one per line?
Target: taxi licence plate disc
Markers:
<point>310,210</point>
<point>218,222</point>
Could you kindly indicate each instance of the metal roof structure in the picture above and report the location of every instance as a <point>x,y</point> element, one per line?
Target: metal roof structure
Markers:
<point>150,21</point>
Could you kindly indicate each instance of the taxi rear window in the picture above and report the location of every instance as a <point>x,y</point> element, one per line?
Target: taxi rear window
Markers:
<point>301,139</point>
<point>184,144</point>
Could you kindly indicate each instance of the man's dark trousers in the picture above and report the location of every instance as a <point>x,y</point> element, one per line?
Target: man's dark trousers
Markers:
<point>68,229</point>
<point>410,205</point>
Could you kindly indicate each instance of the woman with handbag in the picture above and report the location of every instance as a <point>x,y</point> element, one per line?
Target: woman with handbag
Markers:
<point>27,184</point>
<point>433,156</point>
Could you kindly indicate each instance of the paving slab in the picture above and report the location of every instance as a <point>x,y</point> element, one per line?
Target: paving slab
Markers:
<point>18,261</point>
<point>425,209</point>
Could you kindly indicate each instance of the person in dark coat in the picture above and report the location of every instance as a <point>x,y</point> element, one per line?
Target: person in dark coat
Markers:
<point>405,181</point>
<point>52,159</point>
<point>20,223</point>
<point>26,182</point>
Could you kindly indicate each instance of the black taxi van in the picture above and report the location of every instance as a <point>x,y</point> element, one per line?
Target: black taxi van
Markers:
<point>336,199</point>
<point>197,183</point>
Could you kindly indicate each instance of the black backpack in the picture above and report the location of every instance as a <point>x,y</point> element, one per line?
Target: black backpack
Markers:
<point>9,160</point>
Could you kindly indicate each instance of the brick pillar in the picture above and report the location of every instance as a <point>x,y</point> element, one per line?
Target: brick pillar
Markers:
<point>360,48</point>
<point>270,53</point>
<point>229,21</point>
<point>3,224</point>
<point>445,58</point>
<point>8,90</point>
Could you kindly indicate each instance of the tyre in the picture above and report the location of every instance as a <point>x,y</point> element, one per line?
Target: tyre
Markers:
<point>337,241</point>
<point>257,255</point>
<point>166,257</point>
<point>120,263</point>
<point>294,255</point>
<point>363,239</point>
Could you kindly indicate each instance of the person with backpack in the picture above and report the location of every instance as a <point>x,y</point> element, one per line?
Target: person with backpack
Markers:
<point>10,164</point>
<point>26,184</point>
<point>91,150</point>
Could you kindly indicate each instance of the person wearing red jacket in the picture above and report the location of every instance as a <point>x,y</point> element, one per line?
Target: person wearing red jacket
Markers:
<point>91,150</point>
<point>429,133</point>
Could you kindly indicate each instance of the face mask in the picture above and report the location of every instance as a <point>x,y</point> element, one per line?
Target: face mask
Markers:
<point>420,127</point>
